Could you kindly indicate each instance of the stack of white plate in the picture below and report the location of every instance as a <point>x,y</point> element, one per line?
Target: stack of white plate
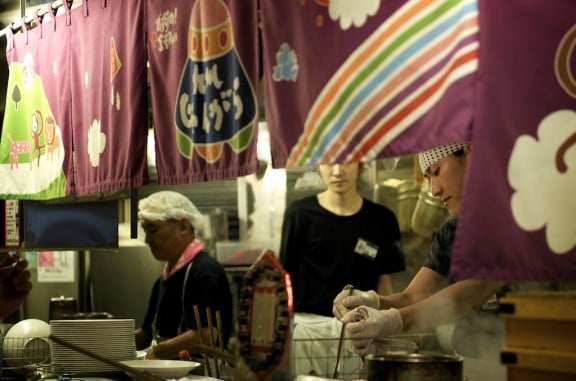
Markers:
<point>110,338</point>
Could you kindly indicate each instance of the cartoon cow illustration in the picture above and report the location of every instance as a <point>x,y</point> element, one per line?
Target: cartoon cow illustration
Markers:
<point>18,148</point>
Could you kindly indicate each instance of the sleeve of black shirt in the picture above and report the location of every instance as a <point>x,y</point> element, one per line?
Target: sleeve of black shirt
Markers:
<point>152,305</point>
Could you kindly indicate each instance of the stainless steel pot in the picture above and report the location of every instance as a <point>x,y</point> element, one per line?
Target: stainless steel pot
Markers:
<point>61,306</point>
<point>429,212</point>
<point>407,198</point>
<point>414,366</point>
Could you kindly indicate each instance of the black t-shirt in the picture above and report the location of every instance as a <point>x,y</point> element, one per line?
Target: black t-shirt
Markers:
<point>206,286</point>
<point>480,333</point>
<point>323,252</point>
<point>440,251</point>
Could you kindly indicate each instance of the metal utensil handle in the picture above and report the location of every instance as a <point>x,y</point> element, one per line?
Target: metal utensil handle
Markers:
<point>350,289</point>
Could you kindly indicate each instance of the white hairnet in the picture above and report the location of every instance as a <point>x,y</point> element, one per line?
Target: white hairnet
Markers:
<point>168,205</point>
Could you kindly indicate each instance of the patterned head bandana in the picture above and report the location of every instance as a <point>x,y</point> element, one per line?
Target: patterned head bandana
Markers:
<point>427,158</point>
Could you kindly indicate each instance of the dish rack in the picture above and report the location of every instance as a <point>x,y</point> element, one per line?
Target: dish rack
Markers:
<point>333,358</point>
<point>23,358</point>
<point>326,358</point>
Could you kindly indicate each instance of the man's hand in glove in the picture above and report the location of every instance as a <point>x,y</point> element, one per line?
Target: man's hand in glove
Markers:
<point>364,324</point>
<point>346,301</point>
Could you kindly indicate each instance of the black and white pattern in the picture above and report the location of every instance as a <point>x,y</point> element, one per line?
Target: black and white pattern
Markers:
<point>427,158</point>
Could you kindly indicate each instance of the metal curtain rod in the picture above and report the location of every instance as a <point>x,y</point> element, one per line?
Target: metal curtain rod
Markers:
<point>28,19</point>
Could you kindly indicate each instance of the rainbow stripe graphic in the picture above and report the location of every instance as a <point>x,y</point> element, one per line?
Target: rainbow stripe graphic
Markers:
<point>396,76</point>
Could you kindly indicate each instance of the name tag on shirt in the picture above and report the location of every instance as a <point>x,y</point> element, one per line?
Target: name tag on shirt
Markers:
<point>366,248</point>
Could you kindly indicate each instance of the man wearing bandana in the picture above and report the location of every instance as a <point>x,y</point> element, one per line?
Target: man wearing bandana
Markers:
<point>191,277</point>
<point>433,298</point>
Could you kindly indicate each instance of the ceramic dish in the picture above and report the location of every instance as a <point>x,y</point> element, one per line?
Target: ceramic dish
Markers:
<point>163,368</point>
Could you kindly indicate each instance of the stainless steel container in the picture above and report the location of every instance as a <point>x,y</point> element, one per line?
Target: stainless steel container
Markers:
<point>407,198</point>
<point>429,212</point>
<point>60,306</point>
<point>414,366</point>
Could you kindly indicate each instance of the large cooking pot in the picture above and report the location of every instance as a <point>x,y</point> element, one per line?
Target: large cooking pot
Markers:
<point>414,366</point>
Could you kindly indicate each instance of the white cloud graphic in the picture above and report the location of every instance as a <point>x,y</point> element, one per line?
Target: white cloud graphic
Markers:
<point>96,143</point>
<point>352,12</point>
<point>545,189</point>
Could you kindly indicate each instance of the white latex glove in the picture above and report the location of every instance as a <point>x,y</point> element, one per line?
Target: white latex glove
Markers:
<point>344,301</point>
<point>364,324</point>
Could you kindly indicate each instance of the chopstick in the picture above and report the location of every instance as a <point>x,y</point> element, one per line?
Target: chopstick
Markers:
<point>199,328</point>
<point>350,289</point>
<point>209,320</point>
<point>219,330</point>
<point>140,375</point>
<point>212,341</point>
<point>211,350</point>
<point>222,354</point>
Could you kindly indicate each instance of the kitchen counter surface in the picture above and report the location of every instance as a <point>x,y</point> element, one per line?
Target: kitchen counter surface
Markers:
<point>126,378</point>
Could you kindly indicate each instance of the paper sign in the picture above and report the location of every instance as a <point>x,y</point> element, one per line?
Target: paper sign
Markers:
<point>56,266</point>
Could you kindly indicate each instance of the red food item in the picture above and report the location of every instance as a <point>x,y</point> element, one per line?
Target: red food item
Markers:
<point>184,355</point>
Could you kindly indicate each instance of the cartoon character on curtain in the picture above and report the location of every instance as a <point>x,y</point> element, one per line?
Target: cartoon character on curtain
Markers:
<point>216,103</point>
<point>31,154</point>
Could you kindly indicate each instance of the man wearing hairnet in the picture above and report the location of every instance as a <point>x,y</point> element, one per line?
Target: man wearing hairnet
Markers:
<point>191,277</point>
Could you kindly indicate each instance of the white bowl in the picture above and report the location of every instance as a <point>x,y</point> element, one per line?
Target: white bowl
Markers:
<point>163,368</point>
<point>27,343</point>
